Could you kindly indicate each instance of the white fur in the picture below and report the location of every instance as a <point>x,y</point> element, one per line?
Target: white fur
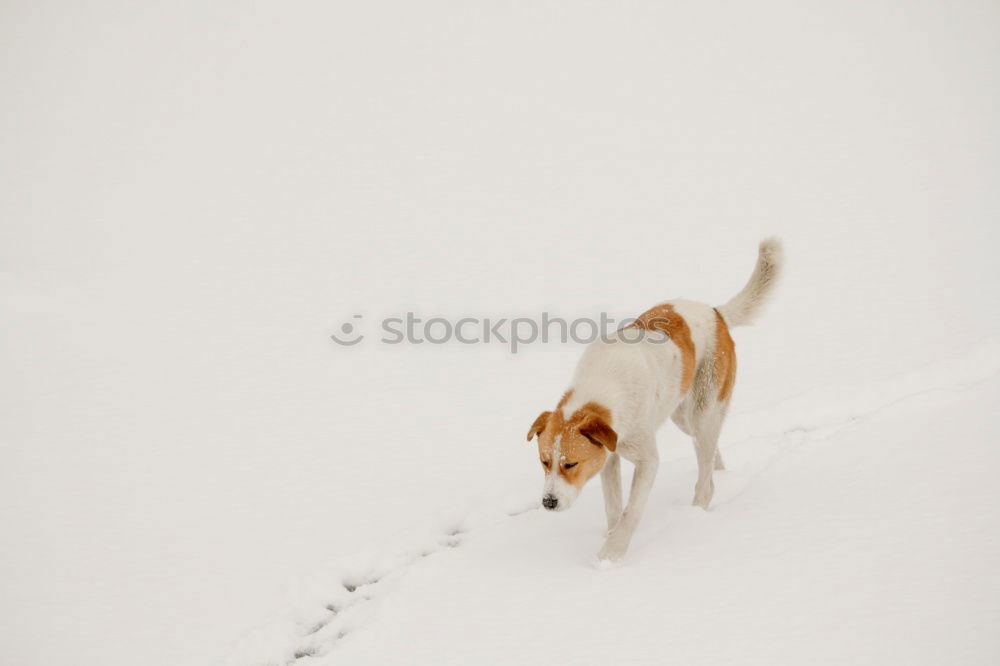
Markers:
<point>744,307</point>
<point>556,486</point>
<point>637,376</point>
<point>565,493</point>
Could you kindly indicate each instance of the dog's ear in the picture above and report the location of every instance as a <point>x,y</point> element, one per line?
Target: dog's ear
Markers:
<point>599,432</point>
<point>539,425</point>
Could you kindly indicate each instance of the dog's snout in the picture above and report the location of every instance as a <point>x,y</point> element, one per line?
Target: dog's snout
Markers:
<point>550,502</point>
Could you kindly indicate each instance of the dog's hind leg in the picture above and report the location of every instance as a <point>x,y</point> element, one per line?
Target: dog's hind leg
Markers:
<point>681,421</point>
<point>707,424</point>
<point>713,386</point>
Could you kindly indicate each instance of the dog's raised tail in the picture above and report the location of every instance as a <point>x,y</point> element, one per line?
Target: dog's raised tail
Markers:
<point>744,307</point>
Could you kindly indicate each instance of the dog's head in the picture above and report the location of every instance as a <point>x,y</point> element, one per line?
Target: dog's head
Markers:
<point>572,449</point>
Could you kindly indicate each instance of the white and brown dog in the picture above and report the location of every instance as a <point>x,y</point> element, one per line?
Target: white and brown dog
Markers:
<point>677,360</point>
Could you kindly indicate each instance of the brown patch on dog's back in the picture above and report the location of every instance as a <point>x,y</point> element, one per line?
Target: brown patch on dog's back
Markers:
<point>664,318</point>
<point>725,359</point>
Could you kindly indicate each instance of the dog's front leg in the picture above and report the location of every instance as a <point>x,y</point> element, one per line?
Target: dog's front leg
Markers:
<point>642,482</point>
<point>611,484</point>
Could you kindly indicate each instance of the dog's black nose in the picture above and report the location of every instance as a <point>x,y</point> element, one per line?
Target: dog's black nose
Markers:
<point>550,502</point>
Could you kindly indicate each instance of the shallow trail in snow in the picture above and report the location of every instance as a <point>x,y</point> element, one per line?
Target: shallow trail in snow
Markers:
<point>369,596</point>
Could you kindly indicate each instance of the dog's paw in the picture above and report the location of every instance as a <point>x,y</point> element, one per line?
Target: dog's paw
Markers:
<point>703,493</point>
<point>604,565</point>
<point>611,552</point>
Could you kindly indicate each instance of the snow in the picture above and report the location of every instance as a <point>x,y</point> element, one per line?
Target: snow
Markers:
<point>197,196</point>
<point>819,548</point>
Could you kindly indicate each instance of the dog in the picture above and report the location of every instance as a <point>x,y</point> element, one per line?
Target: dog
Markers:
<point>678,361</point>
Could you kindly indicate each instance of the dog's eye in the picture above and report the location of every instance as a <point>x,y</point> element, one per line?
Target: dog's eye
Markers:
<point>570,465</point>
<point>546,464</point>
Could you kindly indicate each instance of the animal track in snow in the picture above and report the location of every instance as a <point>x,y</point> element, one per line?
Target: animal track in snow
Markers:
<point>325,632</point>
<point>306,652</point>
<point>353,585</point>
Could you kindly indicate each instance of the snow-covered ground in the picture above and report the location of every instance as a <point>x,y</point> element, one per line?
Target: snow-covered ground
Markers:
<point>196,195</point>
<point>830,542</point>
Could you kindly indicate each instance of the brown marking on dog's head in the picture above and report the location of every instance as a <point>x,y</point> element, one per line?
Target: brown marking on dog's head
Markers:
<point>595,427</point>
<point>573,450</point>
<point>725,359</point>
<point>587,438</point>
<point>565,398</point>
<point>664,318</point>
<point>539,425</point>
